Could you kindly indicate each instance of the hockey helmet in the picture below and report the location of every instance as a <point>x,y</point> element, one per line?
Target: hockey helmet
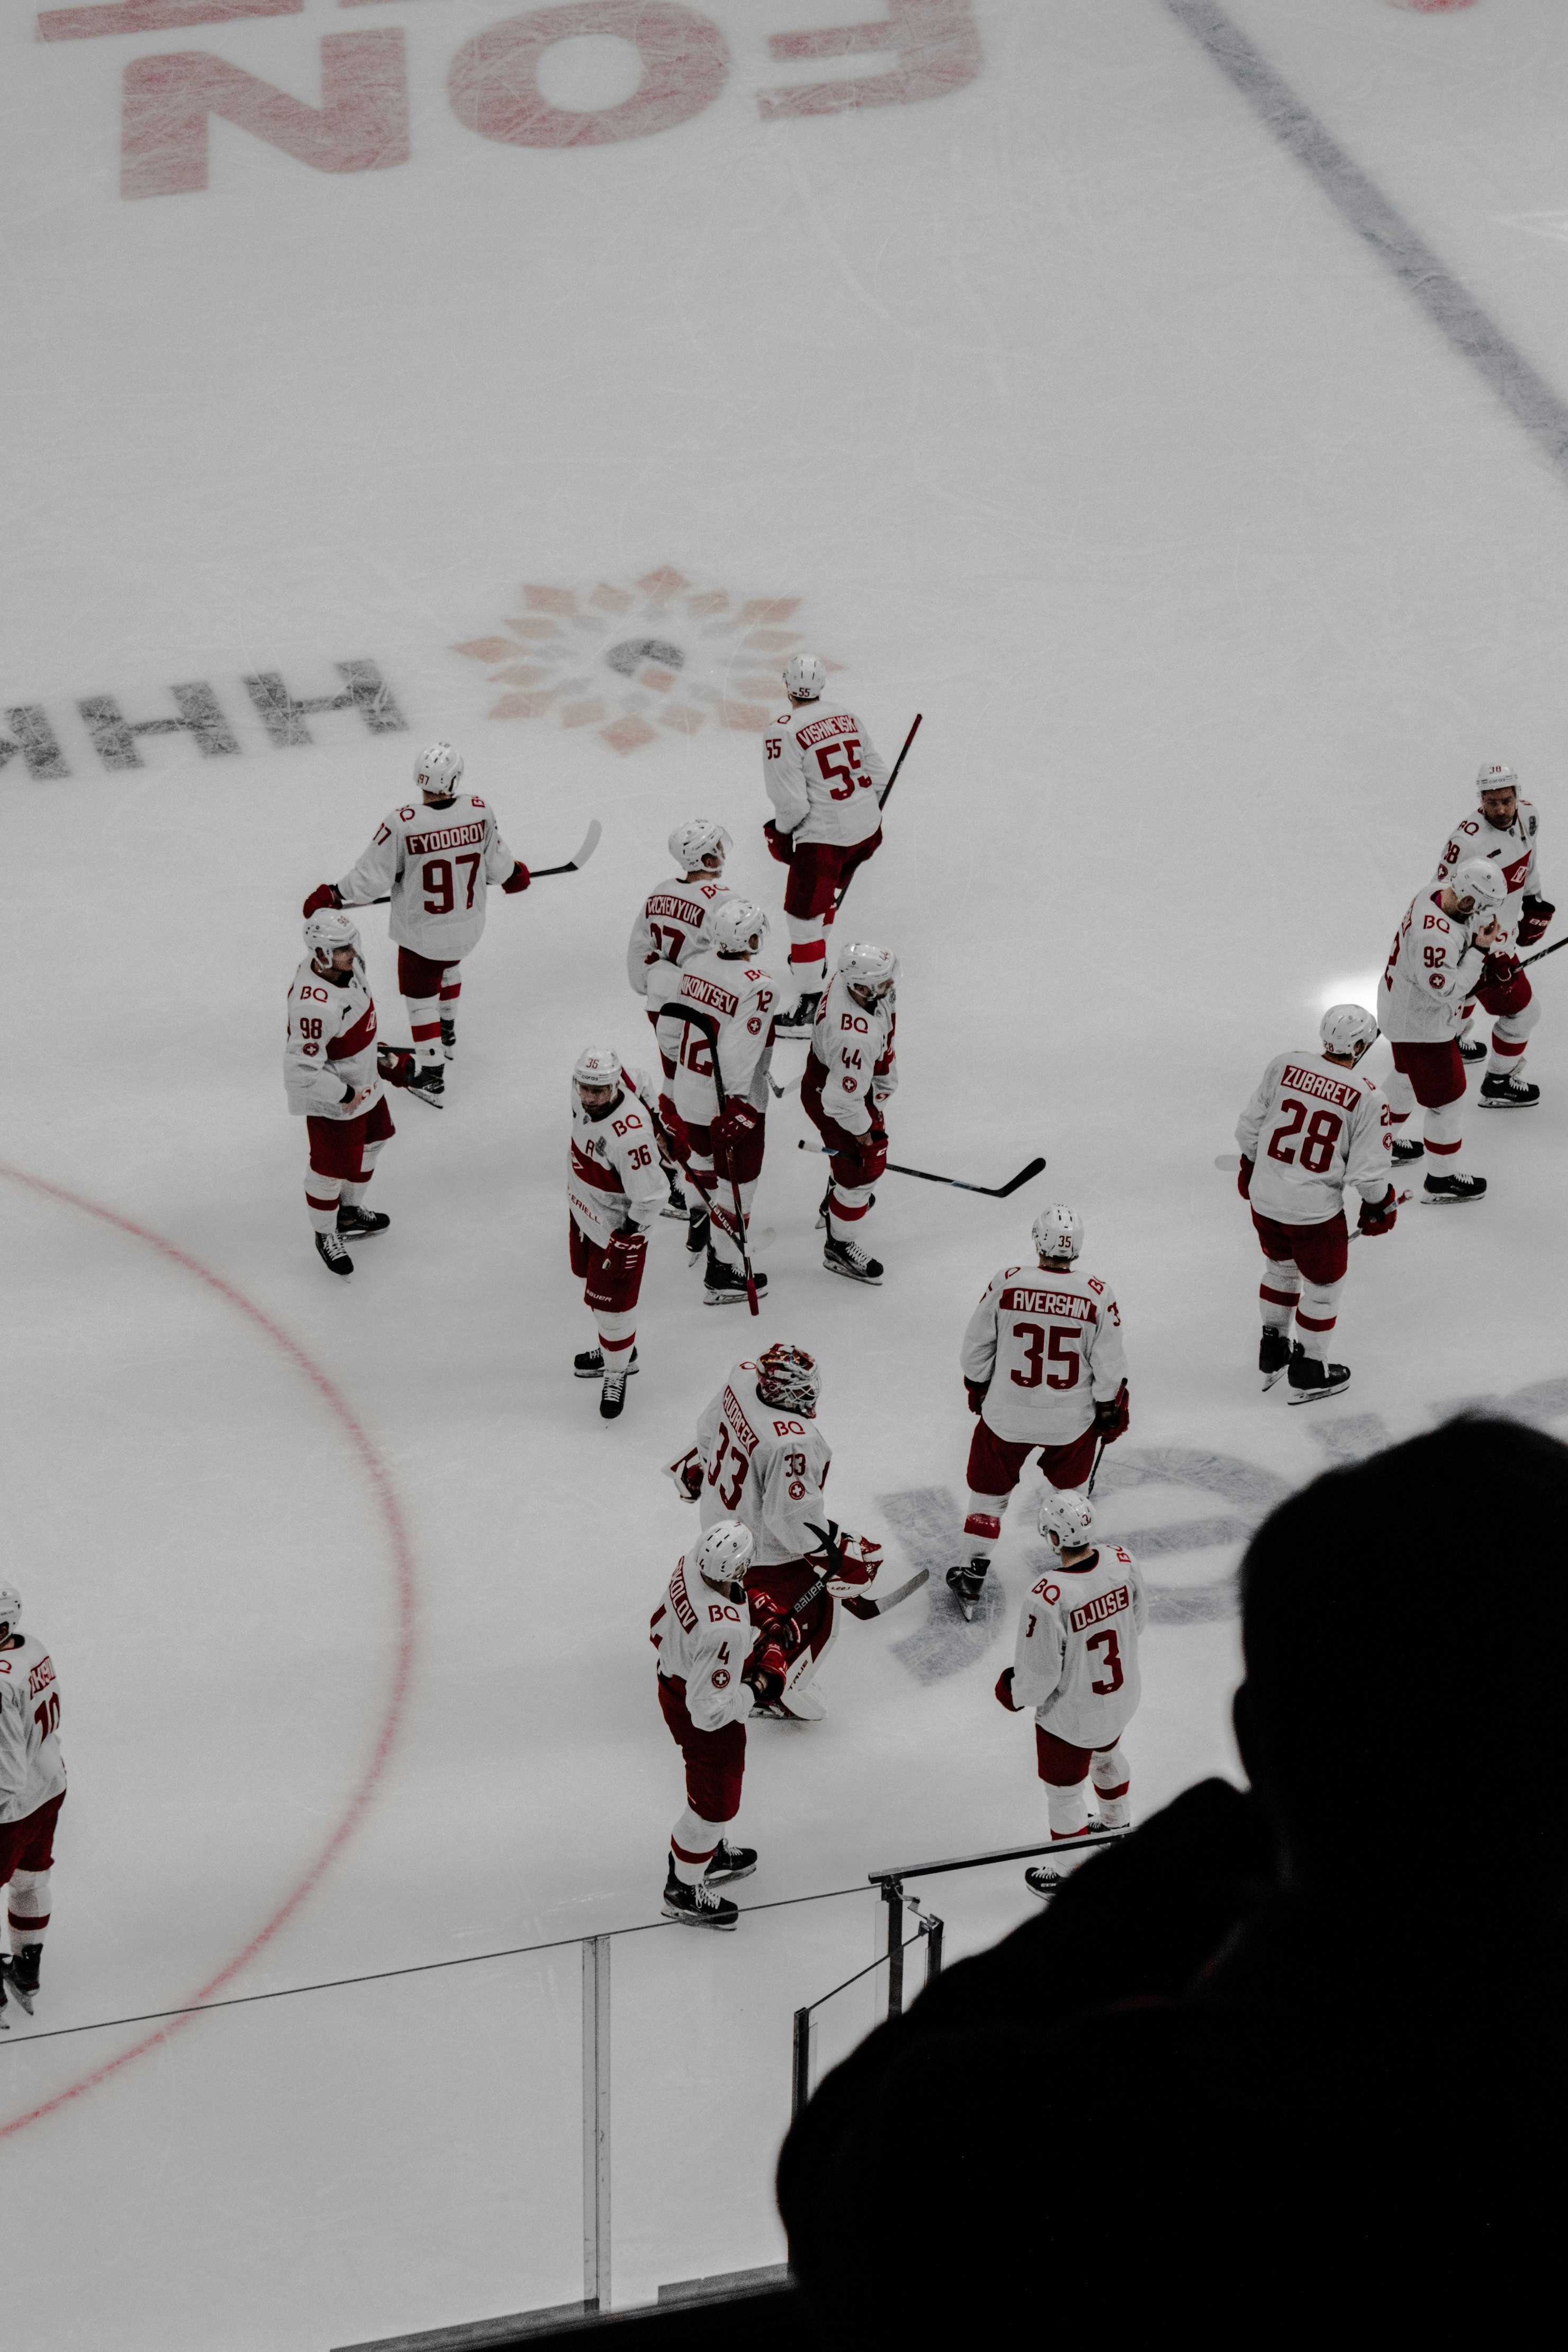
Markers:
<point>1057,1230</point>
<point>10,1610</point>
<point>1497,776</point>
<point>861,965</point>
<point>597,1065</point>
<point>804,678</point>
<point>698,839</point>
<point>1482,882</point>
<point>787,1377</point>
<point>1343,1027</point>
<point>327,931</point>
<point>438,770</point>
<point>1067,1514</point>
<point>722,1556</point>
<point>737,924</point>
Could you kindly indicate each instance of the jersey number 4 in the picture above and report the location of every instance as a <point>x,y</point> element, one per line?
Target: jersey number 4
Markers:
<point>1323,1132</point>
<point>442,892</point>
<point>1062,1351</point>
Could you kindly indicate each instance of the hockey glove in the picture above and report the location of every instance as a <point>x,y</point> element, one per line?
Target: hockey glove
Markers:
<point>735,1121</point>
<point>325,894</point>
<point>1111,1415</point>
<point>846,1559</point>
<point>674,1125</point>
<point>1499,970</point>
<point>975,1391</point>
<point>1243,1180</point>
<point>764,1671</point>
<point>395,1063</point>
<point>1534,922</point>
<point>1004,1692</point>
<point>623,1254</point>
<point>779,844</point>
<point>780,1632</point>
<point>687,1472</point>
<point>871,1154</point>
<point>1377,1216</point>
<point>518,879</point>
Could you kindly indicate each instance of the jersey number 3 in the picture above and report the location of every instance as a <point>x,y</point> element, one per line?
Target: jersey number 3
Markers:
<point>1111,1677</point>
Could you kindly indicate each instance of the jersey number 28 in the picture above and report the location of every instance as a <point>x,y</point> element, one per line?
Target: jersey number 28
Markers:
<point>1323,1129</point>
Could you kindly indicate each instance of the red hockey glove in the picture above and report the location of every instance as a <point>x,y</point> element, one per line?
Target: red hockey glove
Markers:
<point>858,1559</point>
<point>518,879</point>
<point>764,1670</point>
<point>976,1393</point>
<point>1534,922</point>
<point>624,1255</point>
<point>872,1153</point>
<point>686,1473</point>
<point>778,1630</point>
<point>735,1121</point>
<point>1498,970</point>
<point>1111,1415</point>
<point>779,844</point>
<point>1243,1180</point>
<point>674,1125</point>
<point>1004,1691</point>
<point>1377,1216</point>
<point>395,1063</point>
<point>325,894</point>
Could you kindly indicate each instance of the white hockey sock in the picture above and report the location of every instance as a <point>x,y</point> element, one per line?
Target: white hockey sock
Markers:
<point>1445,1138</point>
<point>1317,1315</point>
<point>1399,1094</point>
<point>1279,1290</point>
<point>847,1210</point>
<point>616,1333</point>
<point>984,1515</point>
<point>322,1197</point>
<point>1509,1036</point>
<point>693,1843</point>
<point>1112,1783</point>
<point>1067,1809</point>
<point>425,1027</point>
<point>27,1907</point>
<point>722,1210</point>
<point>807,950</point>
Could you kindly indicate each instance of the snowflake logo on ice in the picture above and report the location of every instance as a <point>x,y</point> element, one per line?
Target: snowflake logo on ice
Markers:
<point>629,661</point>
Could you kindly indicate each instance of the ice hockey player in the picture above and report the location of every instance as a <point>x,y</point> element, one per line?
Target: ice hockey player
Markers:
<point>1321,1126</point>
<point>824,779</point>
<point>436,859</point>
<point>334,1075</point>
<point>1076,1663</point>
<point>1441,953</point>
<point>707,1685</point>
<point>1503,830</point>
<point>32,1790</point>
<point>722,1149</point>
<point>850,1071</point>
<point>672,924</point>
<point>1045,1369</point>
<point>615,1190</point>
<point>760,1458</point>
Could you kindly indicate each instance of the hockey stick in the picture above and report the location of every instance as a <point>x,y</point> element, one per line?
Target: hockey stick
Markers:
<point>1098,1458</point>
<point>591,840</point>
<point>1525,961</point>
<point>709,1024</point>
<point>991,1191</point>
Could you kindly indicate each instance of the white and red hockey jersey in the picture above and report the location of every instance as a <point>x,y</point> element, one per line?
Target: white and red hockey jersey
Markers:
<point>740,997</point>
<point>32,1768</point>
<point>331,1044</point>
<point>669,929</point>
<point>613,1171</point>
<point>1050,1345</point>
<point>822,775</point>
<point>704,1641</point>
<point>436,863</point>
<point>763,1467</point>
<point>1431,972</point>
<point>1311,1128</point>
<point>1076,1662</point>
<point>855,1048</point>
<point>1511,846</point>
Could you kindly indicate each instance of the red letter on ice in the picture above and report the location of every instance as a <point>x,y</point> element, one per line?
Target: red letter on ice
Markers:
<point>494,81</point>
<point>361,125</point>
<point>937,44</point>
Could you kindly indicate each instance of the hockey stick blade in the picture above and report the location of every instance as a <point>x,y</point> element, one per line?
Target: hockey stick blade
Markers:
<point>591,840</point>
<point>871,1604</point>
<point>928,1176</point>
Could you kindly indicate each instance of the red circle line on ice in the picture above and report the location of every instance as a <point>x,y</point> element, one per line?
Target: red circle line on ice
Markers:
<point>400,1550</point>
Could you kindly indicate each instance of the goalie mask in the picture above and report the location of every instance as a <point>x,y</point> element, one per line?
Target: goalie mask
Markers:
<point>788,1378</point>
<point>723,1558</point>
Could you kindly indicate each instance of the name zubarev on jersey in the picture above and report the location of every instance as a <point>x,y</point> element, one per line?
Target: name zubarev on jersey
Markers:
<point>1313,1082</point>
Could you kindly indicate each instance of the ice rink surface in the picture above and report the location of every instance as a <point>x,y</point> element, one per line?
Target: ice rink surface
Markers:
<point>1059,403</point>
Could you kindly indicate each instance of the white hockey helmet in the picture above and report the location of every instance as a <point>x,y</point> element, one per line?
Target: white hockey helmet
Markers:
<point>736,924</point>
<point>697,838</point>
<point>1478,878</point>
<point>438,770</point>
<point>861,965</point>
<point>722,1556</point>
<point>1343,1027</point>
<point>789,1378</point>
<point>1057,1230</point>
<point>327,931</point>
<point>1067,1514</point>
<point>805,676</point>
<point>1497,776</point>
<point>10,1610</point>
<point>597,1065</point>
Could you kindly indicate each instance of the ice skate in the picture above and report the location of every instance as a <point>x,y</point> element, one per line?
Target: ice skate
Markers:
<point>1502,1090</point>
<point>1045,1882</point>
<point>1472,1049</point>
<point>851,1260</point>
<point>1273,1354</point>
<point>966,1582</point>
<point>1311,1379</point>
<point>613,1395</point>
<point>21,1974</point>
<point>428,1084</point>
<point>697,1906</point>
<point>358,1224</point>
<point>797,1021</point>
<point>1438,1191</point>
<point>698,1225</point>
<point>730,1861</point>
<point>1406,1148</point>
<point>676,1205</point>
<point>725,1285</point>
<point>332,1254</point>
<point>448,1037</point>
<point>590,1364</point>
